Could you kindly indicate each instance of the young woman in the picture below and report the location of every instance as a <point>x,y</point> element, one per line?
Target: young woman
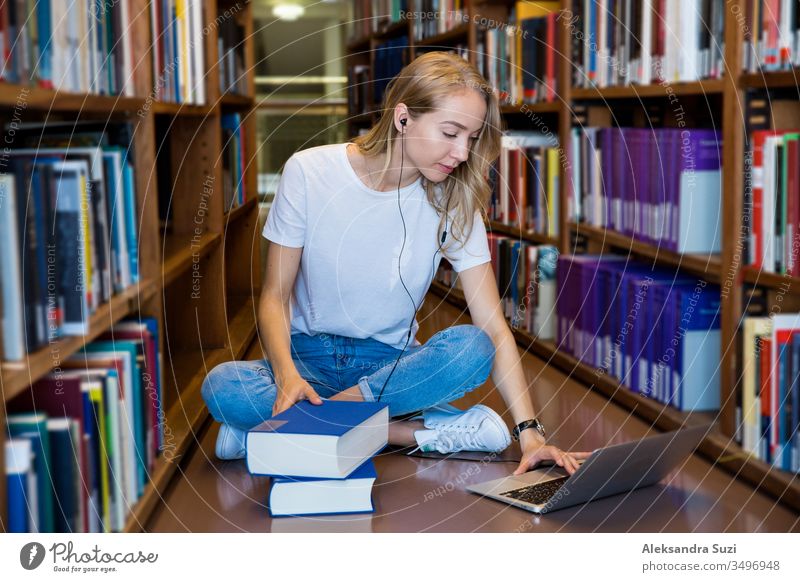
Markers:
<point>357,230</point>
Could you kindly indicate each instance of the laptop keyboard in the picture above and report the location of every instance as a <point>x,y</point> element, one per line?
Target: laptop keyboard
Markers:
<point>536,494</point>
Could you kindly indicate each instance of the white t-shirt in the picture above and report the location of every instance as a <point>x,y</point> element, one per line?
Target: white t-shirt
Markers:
<point>351,237</point>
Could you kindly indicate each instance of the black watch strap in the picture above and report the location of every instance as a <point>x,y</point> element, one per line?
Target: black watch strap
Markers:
<point>532,423</point>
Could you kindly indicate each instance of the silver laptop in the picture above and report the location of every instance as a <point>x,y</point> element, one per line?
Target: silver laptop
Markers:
<point>608,471</point>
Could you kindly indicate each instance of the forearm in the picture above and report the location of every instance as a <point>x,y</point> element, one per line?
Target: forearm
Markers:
<point>509,377</point>
<point>274,324</point>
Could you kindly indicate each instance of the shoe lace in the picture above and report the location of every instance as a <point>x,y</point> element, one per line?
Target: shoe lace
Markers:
<point>455,439</point>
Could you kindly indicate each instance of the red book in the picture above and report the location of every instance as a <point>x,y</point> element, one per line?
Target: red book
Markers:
<point>756,231</point>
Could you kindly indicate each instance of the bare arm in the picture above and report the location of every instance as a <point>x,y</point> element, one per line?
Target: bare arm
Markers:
<point>274,324</point>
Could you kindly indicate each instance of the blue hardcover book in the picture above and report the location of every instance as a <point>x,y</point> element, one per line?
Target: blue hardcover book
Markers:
<point>699,192</point>
<point>33,426</point>
<point>326,440</point>
<point>313,496</point>
<point>696,371</point>
<point>19,489</point>
<point>131,217</point>
<point>65,473</point>
<point>795,400</point>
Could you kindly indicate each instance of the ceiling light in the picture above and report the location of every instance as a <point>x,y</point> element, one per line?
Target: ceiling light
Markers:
<point>288,11</point>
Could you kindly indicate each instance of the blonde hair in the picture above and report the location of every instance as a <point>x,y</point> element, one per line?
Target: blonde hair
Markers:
<point>422,86</point>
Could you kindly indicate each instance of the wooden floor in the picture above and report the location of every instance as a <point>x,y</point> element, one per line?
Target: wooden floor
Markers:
<point>415,494</point>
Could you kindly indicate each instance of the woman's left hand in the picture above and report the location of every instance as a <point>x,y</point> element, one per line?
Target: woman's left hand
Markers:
<point>535,450</point>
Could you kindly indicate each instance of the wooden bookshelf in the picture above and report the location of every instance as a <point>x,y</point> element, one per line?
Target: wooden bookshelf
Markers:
<point>705,266</point>
<point>727,95</point>
<point>515,231</point>
<point>771,79</point>
<point>195,334</point>
<point>711,87</point>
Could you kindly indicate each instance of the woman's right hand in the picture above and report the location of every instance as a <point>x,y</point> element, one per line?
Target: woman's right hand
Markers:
<point>291,391</point>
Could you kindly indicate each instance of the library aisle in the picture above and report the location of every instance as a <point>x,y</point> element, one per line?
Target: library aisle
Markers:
<point>428,495</point>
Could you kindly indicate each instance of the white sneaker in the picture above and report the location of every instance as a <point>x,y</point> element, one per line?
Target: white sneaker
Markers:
<point>478,429</point>
<point>230,443</point>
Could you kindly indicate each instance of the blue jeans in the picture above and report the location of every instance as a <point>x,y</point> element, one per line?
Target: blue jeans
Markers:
<point>451,363</point>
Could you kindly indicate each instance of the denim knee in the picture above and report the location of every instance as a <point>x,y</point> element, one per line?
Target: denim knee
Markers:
<point>224,388</point>
<point>477,343</point>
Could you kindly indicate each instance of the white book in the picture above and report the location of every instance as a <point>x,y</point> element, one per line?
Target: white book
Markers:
<point>769,203</point>
<point>13,326</point>
<point>312,496</point>
<point>128,71</point>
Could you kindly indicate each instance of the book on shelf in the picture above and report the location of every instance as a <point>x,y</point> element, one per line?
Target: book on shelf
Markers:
<point>660,186</point>
<point>771,35</point>
<point>770,414</point>
<point>623,42</point>
<point>654,329</point>
<point>98,421</point>
<point>83,185</point>
<point>773,216</point>
<point>33,426</point>
<point>327,440</point>
<point>436,17</point>
<point>231,63</point>
<point>21,487</point>
<point>234,160</point>
<point>526,278</point>
<point>358,82</point>
<point>374,16</point>
<point>525,183</point>
<point>291,496</point>
<point>520,62</point>
<point>389,61</point>
<point>178,51</point>
<point>82,46</point>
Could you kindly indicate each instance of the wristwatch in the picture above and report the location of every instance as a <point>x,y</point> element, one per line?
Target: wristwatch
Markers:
<point>532,423</point>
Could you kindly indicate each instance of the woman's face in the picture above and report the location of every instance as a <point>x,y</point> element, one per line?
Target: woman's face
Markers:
<point>438,141</point>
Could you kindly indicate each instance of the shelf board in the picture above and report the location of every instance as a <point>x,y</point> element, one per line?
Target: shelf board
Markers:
<point>720,450</point>
<point>17,376</point>
<point>516,232</point>
<point>770,79</point>
<point>182,109</point>
<point>460,32</point>
<point>709,87</point>
<point>13,95</point>
<point>543,107</point>
<point>359,45</point>
<point>186,417</point>
<point>393,29</point>
<point>236,213</point>
<point>771,280</point>
<point>235,100</point>
<point>707,266</point>
<point>181,250</point>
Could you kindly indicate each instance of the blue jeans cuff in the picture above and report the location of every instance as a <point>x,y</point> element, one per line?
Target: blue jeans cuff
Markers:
<point>366,391</point>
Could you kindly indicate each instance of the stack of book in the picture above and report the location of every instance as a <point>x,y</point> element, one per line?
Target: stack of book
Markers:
<point>320,456</point>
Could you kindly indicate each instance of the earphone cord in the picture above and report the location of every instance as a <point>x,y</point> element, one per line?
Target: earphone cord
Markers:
<point>433,263</point>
